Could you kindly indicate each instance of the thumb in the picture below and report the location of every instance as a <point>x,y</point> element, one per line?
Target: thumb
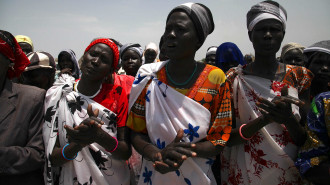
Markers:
<point>179,136</point>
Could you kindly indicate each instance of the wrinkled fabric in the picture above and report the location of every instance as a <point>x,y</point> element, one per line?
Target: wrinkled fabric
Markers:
<point>64,105</point>
<point>290,46</point>
<point>266,10</point>
<point>200,15</point>
<point>228,52</point>
<point>317,145</point>
<point>135,47</point>
<point>322,46</point>
<point>23,38</point>
<point>211,51</point>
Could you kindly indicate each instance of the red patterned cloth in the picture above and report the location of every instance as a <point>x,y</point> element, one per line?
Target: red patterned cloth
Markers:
<point>10,48</point>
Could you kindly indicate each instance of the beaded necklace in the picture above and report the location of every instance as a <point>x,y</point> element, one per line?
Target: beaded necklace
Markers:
<point>184,83</point>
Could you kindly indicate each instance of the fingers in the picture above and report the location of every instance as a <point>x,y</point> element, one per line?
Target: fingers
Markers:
<point>293,100</point>
<point>179,136</point>
<point>90,110</point>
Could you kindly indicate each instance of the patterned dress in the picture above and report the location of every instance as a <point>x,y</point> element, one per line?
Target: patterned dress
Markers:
<point>268,157</point>
<point>317,146</point>
<point>209,94</point>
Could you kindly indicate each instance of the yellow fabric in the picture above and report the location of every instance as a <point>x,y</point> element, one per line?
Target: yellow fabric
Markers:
<point>23,38</point>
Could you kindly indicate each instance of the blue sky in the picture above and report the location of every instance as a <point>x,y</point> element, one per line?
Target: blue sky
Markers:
<point>60,24</point>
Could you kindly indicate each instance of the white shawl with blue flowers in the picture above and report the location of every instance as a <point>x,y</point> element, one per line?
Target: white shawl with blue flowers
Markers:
<point>167,111</point>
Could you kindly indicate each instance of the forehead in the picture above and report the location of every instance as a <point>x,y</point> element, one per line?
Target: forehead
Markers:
<point>179,17</point>
<point>103,48</point>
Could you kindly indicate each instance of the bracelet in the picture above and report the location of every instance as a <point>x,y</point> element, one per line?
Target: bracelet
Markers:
<point>66,157</point>
<point>115,146</point>
<point>240,133</point>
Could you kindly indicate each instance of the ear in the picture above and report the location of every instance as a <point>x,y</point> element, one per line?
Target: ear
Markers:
<point>250,35</point>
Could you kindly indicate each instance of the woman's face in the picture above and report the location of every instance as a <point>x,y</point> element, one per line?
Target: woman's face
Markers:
<point>294,57</point>
<point>97,62</point>
<point>180,37</point>
<point>267,36</point>
<point>131,62</point>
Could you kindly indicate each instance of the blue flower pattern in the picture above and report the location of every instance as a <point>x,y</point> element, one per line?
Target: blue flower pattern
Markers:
<point>147,96</point>
<point>138,79</point>
<point>191,132</point>
<point>147,176</point>
<point>160,145</point>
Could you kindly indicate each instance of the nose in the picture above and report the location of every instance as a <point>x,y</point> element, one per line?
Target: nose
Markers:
<point>95,61</point>
<point>171,34</point>
<point>267,35</point>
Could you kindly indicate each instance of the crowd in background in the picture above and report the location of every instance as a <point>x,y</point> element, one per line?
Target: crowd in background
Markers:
<point>128,114</point>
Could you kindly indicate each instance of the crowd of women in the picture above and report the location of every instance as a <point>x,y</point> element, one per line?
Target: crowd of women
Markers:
<point>120,115</point>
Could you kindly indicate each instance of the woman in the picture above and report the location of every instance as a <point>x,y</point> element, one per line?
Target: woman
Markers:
<point>293,54</point>
<point>21,145</point>
<point>228,55</point>
<point>67,63</point>
<point>131,58</point>
<point>265,95</point>
<point>90,146</point>
<point>180,109</point>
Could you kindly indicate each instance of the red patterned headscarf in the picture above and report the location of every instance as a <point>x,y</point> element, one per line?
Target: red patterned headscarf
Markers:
<point>10,48</point>
<point>111,44</point>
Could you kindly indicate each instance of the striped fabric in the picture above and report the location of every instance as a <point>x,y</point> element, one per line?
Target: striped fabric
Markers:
<point>40,59</point>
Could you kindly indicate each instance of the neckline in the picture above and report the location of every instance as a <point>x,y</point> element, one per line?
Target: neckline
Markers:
<point>183,83</point>
<point>91,97</point>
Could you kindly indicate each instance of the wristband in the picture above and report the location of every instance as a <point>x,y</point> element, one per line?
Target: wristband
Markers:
<point>240,133</point>
<point>64,155</point>
<point>115,146</point>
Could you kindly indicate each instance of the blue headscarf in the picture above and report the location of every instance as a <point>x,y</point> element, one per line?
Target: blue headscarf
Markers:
<point>228,52</point>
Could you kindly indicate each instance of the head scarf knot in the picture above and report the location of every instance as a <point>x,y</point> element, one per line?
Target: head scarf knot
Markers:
<point>11,49</point>
<point>112,46</point>
<point>266,10</point>
<point>200,15</point>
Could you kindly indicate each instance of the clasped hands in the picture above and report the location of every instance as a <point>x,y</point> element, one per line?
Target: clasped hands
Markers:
<point>89,130</point>
<point>173,155</point>
<point>279,109</point>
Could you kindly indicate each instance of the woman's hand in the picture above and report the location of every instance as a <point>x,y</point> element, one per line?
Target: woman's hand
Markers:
<point>174,154</point>
<point>88,131</point>
<point>279,109</point>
